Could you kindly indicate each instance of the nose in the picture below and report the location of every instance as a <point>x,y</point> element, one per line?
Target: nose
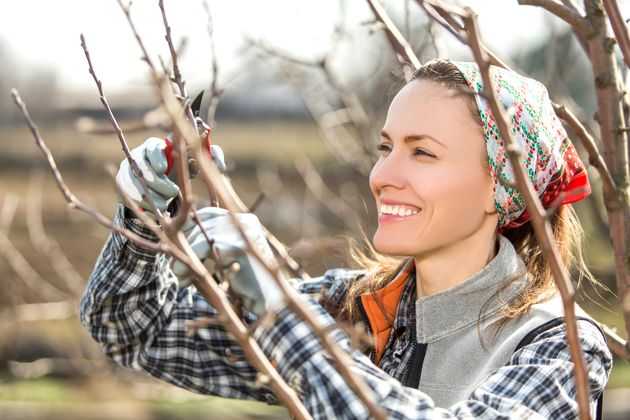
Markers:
<point>388,171</point>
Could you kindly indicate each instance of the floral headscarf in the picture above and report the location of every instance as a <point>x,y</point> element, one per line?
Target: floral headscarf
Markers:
<point>549,157</point>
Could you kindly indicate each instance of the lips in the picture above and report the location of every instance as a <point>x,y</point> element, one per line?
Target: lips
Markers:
<point>397,208</point>
<point>400,213</point>
<point>389,218</point>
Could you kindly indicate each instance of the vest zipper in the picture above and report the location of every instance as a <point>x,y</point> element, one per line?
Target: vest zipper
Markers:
<point>413,367</point>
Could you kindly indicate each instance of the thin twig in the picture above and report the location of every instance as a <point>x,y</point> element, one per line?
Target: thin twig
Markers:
<point>569,15</point>
<point>595,158</point>
<point>177,75</point>
<point>402,48</point>
<point>126,9</point>
<point>357,153</point>
<point>215,90</point>
<point>318,188</point>
<point>448,15</point>
<point>105,102</point>
<point>29,276</point>
<point>121,136</point>
<point>186,192</point>
<point>618,345</point>
<point>43,243</point>
<point>193,326</point>
<point>620,28</point>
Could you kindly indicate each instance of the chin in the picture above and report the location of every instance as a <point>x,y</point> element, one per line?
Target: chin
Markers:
<point>391,246</point>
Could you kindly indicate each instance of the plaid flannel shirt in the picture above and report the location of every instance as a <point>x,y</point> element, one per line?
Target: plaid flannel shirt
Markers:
<point>134,307</point>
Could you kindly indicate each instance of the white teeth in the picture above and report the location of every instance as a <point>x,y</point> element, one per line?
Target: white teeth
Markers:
<point>402,211</point>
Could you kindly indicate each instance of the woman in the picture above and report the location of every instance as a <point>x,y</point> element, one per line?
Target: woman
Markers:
<point>468,324</point>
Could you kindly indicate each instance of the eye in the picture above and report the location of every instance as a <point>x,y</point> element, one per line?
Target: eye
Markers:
<point>420,152</point>
<point>383,147</point>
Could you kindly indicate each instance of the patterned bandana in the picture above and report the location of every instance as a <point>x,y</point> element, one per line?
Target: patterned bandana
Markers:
<point>549,157</point>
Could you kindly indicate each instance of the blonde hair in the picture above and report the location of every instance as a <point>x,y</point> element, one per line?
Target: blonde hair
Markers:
<point>565,225</point>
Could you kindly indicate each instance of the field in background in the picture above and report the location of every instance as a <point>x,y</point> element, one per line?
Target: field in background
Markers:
<point>273,141</point>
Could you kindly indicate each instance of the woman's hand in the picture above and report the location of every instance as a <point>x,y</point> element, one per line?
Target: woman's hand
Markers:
<point>151,158</point>
<point>154,158</point>
<point>251,282</point>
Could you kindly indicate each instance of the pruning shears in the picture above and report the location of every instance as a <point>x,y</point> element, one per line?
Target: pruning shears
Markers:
<point>198,108</point>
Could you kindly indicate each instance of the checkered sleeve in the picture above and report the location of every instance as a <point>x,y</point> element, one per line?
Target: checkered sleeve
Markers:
<point>537,382</point>
<point>134,308</point>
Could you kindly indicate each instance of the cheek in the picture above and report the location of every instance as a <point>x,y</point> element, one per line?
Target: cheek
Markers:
<point>457,193</point>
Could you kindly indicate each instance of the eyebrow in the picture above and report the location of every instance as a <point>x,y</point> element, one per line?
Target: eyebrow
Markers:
<point>414,137</point>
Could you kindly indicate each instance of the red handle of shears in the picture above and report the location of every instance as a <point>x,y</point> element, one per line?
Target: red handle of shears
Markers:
<point>168,150</point>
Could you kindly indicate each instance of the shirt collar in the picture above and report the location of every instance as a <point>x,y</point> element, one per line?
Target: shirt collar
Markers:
<point>443,314</point>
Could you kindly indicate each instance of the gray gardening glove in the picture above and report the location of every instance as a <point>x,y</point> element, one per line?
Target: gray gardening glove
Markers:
<point>152,157</point>
<point>252,282</point>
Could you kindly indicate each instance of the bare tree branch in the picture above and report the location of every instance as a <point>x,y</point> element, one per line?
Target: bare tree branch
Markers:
<point>569,15</point>
<point>539,221</point>
<point>121,137</point>
<point>29,276</point>
<point>10,205</point>
<point>177,75</point>
<point>215,91</point>
<point>328,198</point>
<point>401,47</point>
<point>595,158</point>
<point>46,245</point>
<point>619,27</point>
<point>126,9</point>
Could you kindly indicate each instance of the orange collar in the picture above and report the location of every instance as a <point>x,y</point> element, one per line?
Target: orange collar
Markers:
<point>381,307</point>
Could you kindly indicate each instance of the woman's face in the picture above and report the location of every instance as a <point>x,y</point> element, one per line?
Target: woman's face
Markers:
<point>431,183</point>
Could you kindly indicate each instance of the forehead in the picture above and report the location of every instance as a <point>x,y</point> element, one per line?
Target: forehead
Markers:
<point>426,107</point>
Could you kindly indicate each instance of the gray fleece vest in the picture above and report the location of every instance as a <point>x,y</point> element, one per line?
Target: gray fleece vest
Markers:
<point>447,323</point>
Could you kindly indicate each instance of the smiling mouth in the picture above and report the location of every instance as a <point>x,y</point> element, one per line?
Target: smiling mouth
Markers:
<point>399,211</point>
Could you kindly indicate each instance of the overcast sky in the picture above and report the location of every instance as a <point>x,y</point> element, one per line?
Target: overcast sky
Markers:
<point>43,32</point>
